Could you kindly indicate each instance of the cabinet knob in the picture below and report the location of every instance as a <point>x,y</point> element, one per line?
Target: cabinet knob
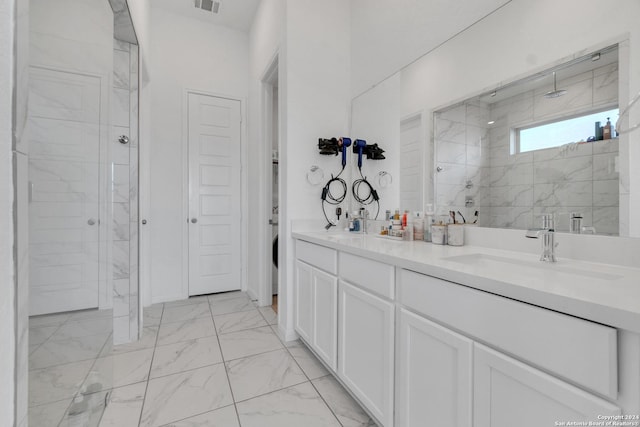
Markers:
<point>194,220</point>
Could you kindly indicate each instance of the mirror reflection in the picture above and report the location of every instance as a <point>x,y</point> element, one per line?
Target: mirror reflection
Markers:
<point>543,144</point>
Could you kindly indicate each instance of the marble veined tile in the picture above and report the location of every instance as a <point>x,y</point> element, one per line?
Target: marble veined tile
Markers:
<point>349,413</point>
<point>120,221</point>
<point>606,220</point>
<point>186,355</point>
<point>121,69</point>
<point>147,340</point>
<point>185,312</point>
<point>606,193</point>
<point>91,314</point>
<point>121,369</point>
<point>120,107</point>
<point>447,130</point>
<point>270,316</point>
<point>83,328</point>
<point>41,334</point>
<point>223,417</point>
<point>48,415</point>
<point>311,366</point>
<point>60,352</point>
<point>186,394</point>
<point>191,300</point>
<point>49,319</point>
<point>57,382</point>
<point>295,406</point>
<point>246,343</point>
<point>151,315</point>
<point>263,373</point>
<point>605,166</point>
<point>223,296</point>
<point>234,322</point>
<point>569,169</point>
<point>231,305</point>
<point>564,194</point>
<point>120,186</point>
<point>120,259</point>
<point>124,406</point>
<point>171,333</point>
<point>450,152</point>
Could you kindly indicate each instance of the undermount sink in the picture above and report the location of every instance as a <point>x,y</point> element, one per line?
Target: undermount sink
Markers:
<point>494,261</point>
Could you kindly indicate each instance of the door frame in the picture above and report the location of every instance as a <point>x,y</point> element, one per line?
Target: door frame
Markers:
<point>105,197</point>
<point>185,186</point>
<point>265,230</point>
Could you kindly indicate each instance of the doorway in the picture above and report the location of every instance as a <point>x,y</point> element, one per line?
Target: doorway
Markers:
<point>268,287</point>
<point>214,194</point>
<point>64,192</point>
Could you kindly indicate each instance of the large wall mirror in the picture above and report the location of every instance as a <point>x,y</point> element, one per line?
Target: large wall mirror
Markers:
<point>501,120</point>
<point>540,144</point>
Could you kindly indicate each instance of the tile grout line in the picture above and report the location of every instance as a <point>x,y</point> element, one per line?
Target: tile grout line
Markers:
<point>146,389</point>
<point>226,372</point>
<point>325,402</point>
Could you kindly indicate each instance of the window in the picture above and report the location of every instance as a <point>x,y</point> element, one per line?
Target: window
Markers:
<point>561,132</point>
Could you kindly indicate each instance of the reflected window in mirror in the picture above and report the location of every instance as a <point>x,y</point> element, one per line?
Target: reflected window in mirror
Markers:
<point>481,166</point>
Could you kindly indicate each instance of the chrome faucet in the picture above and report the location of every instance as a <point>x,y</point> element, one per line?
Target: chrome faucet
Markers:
<point>547,232</point>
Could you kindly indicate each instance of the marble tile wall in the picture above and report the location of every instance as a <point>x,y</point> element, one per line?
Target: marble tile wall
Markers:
<point>577,178</point>
<point>509,190</point>
<point>124,164</point>
<point>462,154</point>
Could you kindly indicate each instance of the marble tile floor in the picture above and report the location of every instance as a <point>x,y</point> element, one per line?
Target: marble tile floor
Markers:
<point>211,361</point>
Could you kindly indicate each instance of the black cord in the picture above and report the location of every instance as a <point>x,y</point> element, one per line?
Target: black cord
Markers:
<point>371,196</point>
<point>329,197</point>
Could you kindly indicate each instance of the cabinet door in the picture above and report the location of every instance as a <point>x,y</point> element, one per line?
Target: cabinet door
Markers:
<point>365,349</point>
<point>433,374</point>
<point>304,301</point>
<point>325,316</point>
<point>508,392</point>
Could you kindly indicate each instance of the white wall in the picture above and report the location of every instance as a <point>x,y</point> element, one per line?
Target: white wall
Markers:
<point>7,273</point>
<point>184,54</point>
<point>314,103</point>
<point>376,119</point>
<point>265,40</point>
<point>386,36</point>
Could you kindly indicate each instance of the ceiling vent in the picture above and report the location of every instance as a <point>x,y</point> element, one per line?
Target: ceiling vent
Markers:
<point>212,6</point>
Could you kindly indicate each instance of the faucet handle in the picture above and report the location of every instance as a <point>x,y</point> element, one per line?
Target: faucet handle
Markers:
<point>548,220</point>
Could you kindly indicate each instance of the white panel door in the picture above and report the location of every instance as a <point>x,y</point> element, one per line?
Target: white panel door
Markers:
<point>366,348</point>
<point>508,393</point>
<point>214,194</point>
<point>433,374</point>
<point>64,132</point>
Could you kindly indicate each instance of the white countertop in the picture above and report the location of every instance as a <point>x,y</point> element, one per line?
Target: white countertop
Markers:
<point>603,293</point>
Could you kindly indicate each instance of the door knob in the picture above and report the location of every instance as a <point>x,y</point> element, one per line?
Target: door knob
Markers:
<point>91,221</point>
<point>144,222</point>
<point>194,220</point>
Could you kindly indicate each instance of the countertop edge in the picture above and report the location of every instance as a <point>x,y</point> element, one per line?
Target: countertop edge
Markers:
<point>599,313</point>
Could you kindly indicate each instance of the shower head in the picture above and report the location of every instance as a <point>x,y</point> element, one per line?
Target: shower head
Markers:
<point>555,93</point>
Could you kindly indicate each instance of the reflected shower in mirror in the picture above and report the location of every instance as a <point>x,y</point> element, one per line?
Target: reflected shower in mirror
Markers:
<point>543,144</point>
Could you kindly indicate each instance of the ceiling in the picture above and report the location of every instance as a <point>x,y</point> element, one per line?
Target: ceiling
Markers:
<point>236,14</point>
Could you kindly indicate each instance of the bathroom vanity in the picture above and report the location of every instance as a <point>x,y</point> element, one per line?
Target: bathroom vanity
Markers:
<point>427,335</point>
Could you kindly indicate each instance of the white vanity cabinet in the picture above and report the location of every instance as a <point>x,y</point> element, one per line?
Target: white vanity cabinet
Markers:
<point>434,366</point>
<point>365,343</point>
<point>316,299</point>
<point>508,392</point>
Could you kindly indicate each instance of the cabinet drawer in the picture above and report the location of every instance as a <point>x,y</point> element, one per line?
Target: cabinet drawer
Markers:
<point>324,258</point>
<point>578,350</point>
<point>372,275</point>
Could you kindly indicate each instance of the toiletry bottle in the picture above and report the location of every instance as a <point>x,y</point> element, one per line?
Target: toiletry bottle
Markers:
<point>606,132</point>
<point>598,135</point>
<point>429,220</point>
<point>405,219</point>
<point>396,216</point>
<point>418,226</point>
